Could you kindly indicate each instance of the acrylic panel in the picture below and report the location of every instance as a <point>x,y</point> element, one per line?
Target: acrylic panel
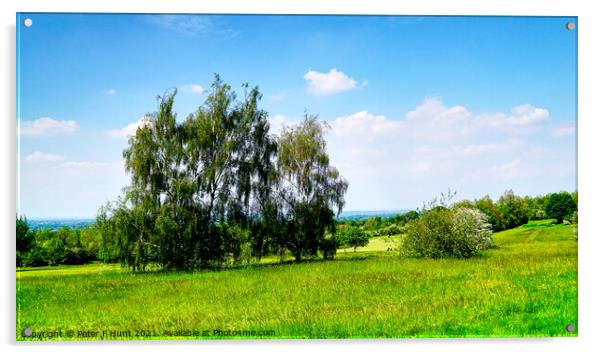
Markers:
<point>237,177</point>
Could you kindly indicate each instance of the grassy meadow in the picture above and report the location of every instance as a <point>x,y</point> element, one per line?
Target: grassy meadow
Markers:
<point>525,286</point>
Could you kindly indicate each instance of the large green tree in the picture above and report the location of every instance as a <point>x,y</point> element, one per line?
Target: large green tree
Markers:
<point>514,209</point>
<point>309,186</point>
<point>494,215</point>
<point>560,206</point>
<point>196,186</point>
<point>229,156</point>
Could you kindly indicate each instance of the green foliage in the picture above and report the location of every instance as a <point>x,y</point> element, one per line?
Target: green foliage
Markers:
<point>560,206</point>
<point>62,246</point>
<point>352,236</point>
<point>25,239</point>
<point>514,209</point>
<point>574,220</point>
<point>196,185</point>
<point>537,207</point>
<point>390,230</point>
<point>309,187</point>
<point>525,287</point>
<point>443,232</point>
<point>511,210</point>
<point>218,188</point>
<point>494,214</point>
<point>373,223</point>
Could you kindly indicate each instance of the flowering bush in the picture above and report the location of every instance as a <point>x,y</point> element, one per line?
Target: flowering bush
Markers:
<point>444,232</point>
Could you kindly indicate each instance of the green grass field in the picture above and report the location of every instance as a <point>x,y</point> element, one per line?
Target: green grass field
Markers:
<point>525,286</point>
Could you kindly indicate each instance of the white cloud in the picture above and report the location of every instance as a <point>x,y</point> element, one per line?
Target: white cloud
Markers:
<point>365,125</point>
<point>512,169</point>
<point>464,151</point>
<point>563,131</point>
<point>70,188</point>
<point>85,165</point>
<point>128,130</point>
<point>111,92</point>
<point>46,126</point>
<point>522,116</point>
<point>193,88</point>
<point>39,156</point>
<point>432,121</point>
<point>330,83</point>
<point>278,122</point>
<point>399,162</point>
<point>49,160</point>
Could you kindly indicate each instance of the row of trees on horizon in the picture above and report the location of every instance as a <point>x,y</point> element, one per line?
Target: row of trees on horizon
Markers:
<point>87,244</point>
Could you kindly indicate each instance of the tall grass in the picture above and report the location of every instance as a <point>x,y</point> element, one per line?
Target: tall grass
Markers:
<point>525,286</point>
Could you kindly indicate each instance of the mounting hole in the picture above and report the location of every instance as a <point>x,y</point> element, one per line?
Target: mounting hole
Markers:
<point>27,22</point>
<point>570,26</point>
<point>570,328</point>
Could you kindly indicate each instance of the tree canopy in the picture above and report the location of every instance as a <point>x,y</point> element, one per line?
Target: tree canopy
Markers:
<point>218,186</point>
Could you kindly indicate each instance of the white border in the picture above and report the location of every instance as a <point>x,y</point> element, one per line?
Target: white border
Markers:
<point>589,166</point>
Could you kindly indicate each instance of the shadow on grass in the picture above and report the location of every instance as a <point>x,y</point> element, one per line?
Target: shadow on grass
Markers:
<point>340,257</point>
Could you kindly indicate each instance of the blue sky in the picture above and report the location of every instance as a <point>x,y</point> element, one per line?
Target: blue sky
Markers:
<point>416,105</point>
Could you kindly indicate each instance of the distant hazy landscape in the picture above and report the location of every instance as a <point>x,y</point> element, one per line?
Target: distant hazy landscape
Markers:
<point>55,224</point>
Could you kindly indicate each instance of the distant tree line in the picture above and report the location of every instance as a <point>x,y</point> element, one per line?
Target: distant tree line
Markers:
<point>511,210</point>
<point>462,229</point>
<point>98,241</point>
<point>45,246</point>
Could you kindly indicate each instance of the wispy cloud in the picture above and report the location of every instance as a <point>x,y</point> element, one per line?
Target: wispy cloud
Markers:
<point>563,131</point>
<point>46,160</point>
<point>191,25</point>
<point>514,169</point>
<point>128,130</point>
<point>111,92</point>
<point>366,126</point>
<point>278,122</point>
<point>85,165</point>
<point>39,156</point>
<point>330,83</point>
<point>47,126</point>
<point>192,88</point>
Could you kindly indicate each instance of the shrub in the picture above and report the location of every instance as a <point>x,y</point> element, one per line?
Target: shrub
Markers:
<point>390,230</point>
<point>514,209</point>
<point>560,206</point>
<point>443,232</point>
<point>373,223</point>
<point>574,220</point>
<point>35,258</point>
<point>494,214</point>
<point>354,237</point>
<point>25,240</point>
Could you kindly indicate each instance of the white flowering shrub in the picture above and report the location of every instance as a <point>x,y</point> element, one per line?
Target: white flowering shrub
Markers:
<point>443,232</point>
<point>473,226</point>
